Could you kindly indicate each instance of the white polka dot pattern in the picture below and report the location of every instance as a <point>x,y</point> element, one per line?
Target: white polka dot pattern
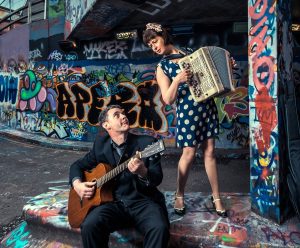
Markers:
<point>196,122</point>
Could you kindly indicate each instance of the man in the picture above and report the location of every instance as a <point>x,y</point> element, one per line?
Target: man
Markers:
<point>137,201</point>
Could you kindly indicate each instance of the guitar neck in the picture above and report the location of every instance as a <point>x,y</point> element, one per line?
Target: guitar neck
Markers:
<point>114,172</point>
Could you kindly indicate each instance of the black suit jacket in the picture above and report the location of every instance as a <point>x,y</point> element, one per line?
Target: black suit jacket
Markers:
<point>128,187</point>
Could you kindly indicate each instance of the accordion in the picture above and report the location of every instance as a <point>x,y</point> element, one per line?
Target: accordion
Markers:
<point>212,72</point>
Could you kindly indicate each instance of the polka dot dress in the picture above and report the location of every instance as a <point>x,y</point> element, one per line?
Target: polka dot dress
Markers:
<point>196,122</point>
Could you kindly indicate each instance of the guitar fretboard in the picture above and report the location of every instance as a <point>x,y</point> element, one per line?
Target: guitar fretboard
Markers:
<point>114,172</point>
<point>149,151</point>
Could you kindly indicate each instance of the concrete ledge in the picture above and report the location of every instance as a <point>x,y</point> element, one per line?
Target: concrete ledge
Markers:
<point>38,139</point>
<point>46,225</point>
<point>43,140</point>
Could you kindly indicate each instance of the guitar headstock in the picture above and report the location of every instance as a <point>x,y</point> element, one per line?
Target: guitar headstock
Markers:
<point>153,149</point>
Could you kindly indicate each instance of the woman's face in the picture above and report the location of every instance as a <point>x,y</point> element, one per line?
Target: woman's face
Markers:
<point>157,45</point>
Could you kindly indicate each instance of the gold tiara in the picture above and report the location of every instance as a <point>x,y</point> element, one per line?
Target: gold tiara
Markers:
<point>154,26</point>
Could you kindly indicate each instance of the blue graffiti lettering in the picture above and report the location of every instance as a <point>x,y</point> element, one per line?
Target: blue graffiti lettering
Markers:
<point>8,88</point>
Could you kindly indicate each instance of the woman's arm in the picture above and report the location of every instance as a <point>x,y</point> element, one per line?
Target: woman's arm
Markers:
<point>169,89</point>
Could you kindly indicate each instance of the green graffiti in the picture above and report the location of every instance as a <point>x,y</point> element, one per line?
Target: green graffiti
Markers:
<point>17,236</point>
<point>220,106</point>
<point>27,94</point>
<point>122,78</point>
<point>228,239</point>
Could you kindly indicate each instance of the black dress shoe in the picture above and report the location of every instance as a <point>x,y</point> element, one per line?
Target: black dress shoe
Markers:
<point>222,213</point>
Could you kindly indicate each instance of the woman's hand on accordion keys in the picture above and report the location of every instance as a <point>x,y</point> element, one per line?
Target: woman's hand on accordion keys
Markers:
<point>184,76</point>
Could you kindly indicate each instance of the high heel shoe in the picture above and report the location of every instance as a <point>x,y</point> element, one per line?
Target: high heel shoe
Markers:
<point>179,211</point>
<point>222,213</point>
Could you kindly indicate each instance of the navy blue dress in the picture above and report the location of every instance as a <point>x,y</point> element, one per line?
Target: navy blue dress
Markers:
<point>196,121</point>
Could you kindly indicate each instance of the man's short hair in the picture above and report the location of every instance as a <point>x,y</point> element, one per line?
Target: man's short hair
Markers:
<point>103,114</point>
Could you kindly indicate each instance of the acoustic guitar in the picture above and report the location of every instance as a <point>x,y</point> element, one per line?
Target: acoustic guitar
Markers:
<point>102,174</point>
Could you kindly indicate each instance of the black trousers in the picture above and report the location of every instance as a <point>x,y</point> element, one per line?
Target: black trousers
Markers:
<point>146,216</point>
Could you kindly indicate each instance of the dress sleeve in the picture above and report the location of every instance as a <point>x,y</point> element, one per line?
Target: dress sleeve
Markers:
<point>164,65</point>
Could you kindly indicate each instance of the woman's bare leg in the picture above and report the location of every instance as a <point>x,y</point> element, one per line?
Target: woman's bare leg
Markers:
<point>184,165</point>
<point>210,163</point>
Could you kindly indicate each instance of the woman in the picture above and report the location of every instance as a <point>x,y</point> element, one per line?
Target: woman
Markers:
<point>197,123</point>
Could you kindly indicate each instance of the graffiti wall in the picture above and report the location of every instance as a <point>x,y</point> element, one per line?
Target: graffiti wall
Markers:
<point>14,49</point>
<point>13,61</point>
<point>8,98</point>
<point>63,99</point>
<point>75,10</point>
<point>266,24</point>
<point>60,93</point>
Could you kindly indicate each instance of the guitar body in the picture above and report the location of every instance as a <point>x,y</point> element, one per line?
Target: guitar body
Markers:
<point>77,208</point>
<point>102,174</point>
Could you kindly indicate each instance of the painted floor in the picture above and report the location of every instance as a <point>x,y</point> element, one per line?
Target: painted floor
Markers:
<point>47,225</point>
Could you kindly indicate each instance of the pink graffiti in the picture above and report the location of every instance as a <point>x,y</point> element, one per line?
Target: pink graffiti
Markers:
<point>267,64</point>
<point>233,107</point>
<point>263,72</point>
<point>35,103</point>
<point>267,117</point>
<point>252,10</point>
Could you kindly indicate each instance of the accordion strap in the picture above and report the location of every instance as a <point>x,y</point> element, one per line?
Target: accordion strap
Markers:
<point>182,52</point>
<point>173,56</point>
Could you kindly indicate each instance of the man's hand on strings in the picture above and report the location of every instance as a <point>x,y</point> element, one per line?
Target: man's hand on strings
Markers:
<point>137,166</point>
<point>84,189</point>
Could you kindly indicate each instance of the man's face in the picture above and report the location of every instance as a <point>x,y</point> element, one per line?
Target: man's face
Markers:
<point>116,121</point>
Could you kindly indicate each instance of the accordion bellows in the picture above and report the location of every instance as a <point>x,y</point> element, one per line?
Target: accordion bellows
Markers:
<point>212,72</point>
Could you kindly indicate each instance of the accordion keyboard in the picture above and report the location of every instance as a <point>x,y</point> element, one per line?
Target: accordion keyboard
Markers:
<point>212,74</point>
<point>205,80</point>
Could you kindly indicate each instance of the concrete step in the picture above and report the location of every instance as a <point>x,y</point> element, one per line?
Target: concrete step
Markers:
<point>47,225</point>
<point>33,138</point>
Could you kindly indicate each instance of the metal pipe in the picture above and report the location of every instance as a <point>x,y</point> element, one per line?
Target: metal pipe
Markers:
<point>45,10</point>
<point>29,12</point>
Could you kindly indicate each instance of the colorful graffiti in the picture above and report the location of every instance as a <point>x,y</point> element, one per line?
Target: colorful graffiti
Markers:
<point>262,83</point>
<point>142,103</point>
<point>56,8</point>
<point>18,237</point>
<point>233,112</point>
<point>8,98</point>
<point>75,10</point>
<point>199,227</point>
<point>263,102</point>
<point>33,95</point>
<point>61,93</point>
<point>8,88</point>
<point>65,101</point>
<point>13,65</point>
